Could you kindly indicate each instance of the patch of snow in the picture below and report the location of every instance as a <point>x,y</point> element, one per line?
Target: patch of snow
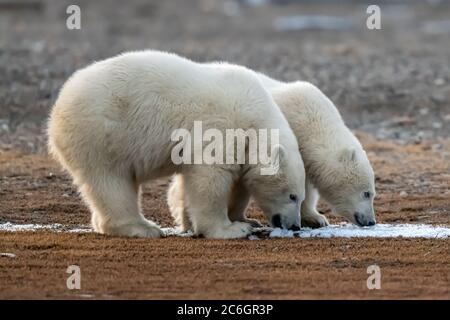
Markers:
<point>281,233</point>
<point>343,230</point>
<point>7,254</point>
<point>80,230</point>
<point>12,227</point>
<point>347,230</point>
<point>57,227</point>
<point>176,232</point>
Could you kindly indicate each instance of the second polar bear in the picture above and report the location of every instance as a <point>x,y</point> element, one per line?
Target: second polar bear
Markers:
<point>336,165</point>
<point>112,125</point>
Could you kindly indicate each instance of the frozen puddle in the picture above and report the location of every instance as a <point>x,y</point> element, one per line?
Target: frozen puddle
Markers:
<point>343,230</point>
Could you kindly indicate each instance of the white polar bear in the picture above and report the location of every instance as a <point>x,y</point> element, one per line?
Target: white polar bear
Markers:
<point>336,164</point>
<point>111,129</point>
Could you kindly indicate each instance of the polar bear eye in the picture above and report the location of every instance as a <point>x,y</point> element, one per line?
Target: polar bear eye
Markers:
<point>367,195</point>
<point>293,197</point>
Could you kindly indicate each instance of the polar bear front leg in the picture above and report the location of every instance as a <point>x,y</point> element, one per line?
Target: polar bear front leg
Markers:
<point>114,203</point>
<point>238,203</point>
<point>206,190</point>
<point>309,215</point>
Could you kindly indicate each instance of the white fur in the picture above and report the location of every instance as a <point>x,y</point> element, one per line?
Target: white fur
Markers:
<point>336,164</point>
<point>111,128</point>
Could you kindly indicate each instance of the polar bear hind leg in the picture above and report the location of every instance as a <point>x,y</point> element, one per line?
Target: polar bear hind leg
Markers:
<point>176,203</point>
<point>114,203</point>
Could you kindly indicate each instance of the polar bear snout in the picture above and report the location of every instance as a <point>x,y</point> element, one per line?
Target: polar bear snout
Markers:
<point>363,220</point>
<point>278,222</point>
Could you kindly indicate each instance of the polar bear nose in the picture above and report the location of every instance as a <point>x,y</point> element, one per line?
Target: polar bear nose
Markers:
<point>363,221</point>
<point>276,221</point>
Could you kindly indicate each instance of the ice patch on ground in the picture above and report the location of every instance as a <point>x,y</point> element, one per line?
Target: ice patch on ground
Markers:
<point>347,230</point>
<point>343,230</point>
<point>176,232</point>
<point>57,227</point>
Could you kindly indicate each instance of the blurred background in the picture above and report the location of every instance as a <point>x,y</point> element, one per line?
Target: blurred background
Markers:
<point>393,83</point>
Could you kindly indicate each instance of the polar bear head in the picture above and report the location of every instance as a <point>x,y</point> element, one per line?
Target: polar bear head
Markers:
<point>349,185</point>
<point>280,193</point>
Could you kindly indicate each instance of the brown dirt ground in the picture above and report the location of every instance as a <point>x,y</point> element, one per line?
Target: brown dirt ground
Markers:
<point>33,189</point>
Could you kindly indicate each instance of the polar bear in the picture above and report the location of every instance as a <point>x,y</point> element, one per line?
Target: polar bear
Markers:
<point>111,129</point>
<point>336,165</point>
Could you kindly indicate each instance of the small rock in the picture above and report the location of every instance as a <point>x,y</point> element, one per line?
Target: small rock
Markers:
<point>403,194</point>
<point>417,139</point>
<point>7,254</point>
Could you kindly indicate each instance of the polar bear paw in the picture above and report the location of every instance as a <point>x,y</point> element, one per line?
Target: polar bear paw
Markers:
<point>141,229</point>
<point>314,220</point>
<point>234,230</point>
<point>253,222</point>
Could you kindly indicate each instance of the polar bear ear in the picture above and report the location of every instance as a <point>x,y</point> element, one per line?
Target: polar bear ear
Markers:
<point>278,155</point>
<point>348,154</point>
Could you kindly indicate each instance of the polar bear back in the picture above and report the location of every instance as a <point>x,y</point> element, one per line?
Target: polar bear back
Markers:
<point>152,79</point>
<point>130,104</point>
